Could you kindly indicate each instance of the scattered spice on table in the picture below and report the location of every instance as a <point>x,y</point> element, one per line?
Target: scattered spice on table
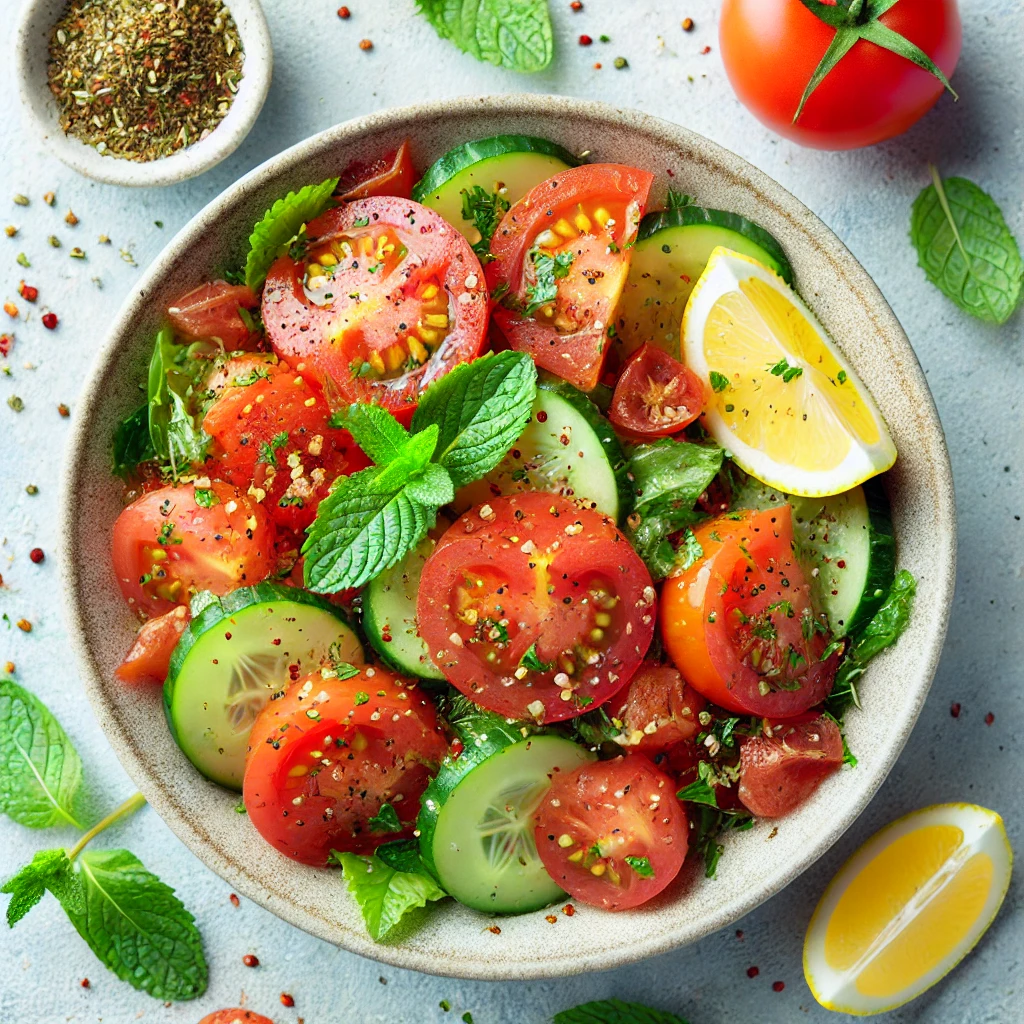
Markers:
<point>954,709</point>
<point>778,986</point>
<point>21,200</point>
<point>568,910</point>
<point>31,489</point>
<point>64,411</point>
<point>11,310</point>
<point>604,38</point>
<point>85,983</point>
<point>16,403</point>
<point>50,198</point>
<point>6,344</point>
<point>54,241</point>
<point>467,1018</point>
<point>989,718</point>
<point>687,24</point>
<point>23,261</point>
<point>141,79</point>
<point>70,218</point>
<point>753,972</point>
<point>77,254</point>
<point>344,13</point>
<point>445,1005</point>
<point>234,900</point>
<point>365,44</point>
<point>9,667</point>
<point>597,66</point>
<point>706,50</point>
<point>251,960</point>
<point>621,62</point>
<point>286,999</point>
<point>10,231</point>
<point>24,625</point>
<point>50,321</point>
<point>37,556</point>
<point>576,5</point>
<point>28,292</point>
<point>551,919</point>
<point>104,240</point>
<point>585,40</point>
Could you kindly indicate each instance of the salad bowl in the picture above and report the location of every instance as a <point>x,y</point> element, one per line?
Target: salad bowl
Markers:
<point>448,940</point>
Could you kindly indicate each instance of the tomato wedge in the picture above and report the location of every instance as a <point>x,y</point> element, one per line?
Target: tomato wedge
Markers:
<point>211,311</point>
<point>612,833</point>
<point>386,299</point>
<point>655,395</point>
<point>739,623</point>
<point>779,772</point>
<point>561,256</point>
<point>389,175</point>
<point>149,658</point>
<point>536,608</point>
<point>327,755</point>
<point>660,709</point>
<point>271,431</point>
<point>166,545</point>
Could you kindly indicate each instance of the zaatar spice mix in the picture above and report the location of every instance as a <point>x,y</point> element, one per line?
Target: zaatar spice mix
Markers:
<point>142,79</point>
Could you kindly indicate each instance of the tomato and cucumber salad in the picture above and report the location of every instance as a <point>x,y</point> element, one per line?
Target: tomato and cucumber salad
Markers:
<point>443,557</point>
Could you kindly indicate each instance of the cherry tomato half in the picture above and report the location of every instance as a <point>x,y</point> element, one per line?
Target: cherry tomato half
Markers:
<point>387,298</point>
<point>655,395</point>
<point>326,756</point>
<point>612,833</point>
<point>149,658</point>
<point>659,710</point>
<point>536,608</point>
<point>778,773</point>
<point>739,623</point>
<point>211,312</point>
<point>166,546</point>
<point>561,257</point>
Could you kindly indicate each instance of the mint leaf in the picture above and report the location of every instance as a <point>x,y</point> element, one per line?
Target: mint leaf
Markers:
<point>485,210</point>
<point>700,791</point>
<point>615,1011</point>
<point>514,34</point>
<point>385,820</point>
<point>50,869</point>
<point>402,855</point>
<point>376,431</point>
<point>883,630</point>
<point>708,824</point>
<point>432,487</point>
<point>384,894</point>
<point>548,270</point>
<point>40,771</point>
<point>480,408</point>
<point>965,248</point>
<point>137,927</point>
<point>280,224</point>
<point>174,433</point>
<point>364,525</point>
<point>132,443</point>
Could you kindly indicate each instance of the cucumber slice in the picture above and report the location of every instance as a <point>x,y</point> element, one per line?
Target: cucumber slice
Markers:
<point>672,249</point>
<point>846,540</point>
<point>233,655</point>
<point>476,819</point>
<point>515,162</point>
<point>567,448</point>
<point>389,615</point>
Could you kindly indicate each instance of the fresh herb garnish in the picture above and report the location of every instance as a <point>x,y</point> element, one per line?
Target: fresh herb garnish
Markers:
<point>385,820</point>
<point>709,824</point>
<point>690,551</point>
<point>615,1011</point>
<point>485,210</point>
<point>531,660</point>
<point>676,200</point>
<point>132,443</point>
<point>785,371</point>
<point>719,381</point>
<point>548,270</point>
<point>702,789</point>
<point>641,865</point>
<point>269,450</point>
<point>206,497</point>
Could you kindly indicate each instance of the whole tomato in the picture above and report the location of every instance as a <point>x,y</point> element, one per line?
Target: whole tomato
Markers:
<point>771,49</point>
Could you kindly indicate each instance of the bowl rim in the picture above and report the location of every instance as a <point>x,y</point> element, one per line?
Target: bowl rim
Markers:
<point>481,966</point>
<point>39,110</point>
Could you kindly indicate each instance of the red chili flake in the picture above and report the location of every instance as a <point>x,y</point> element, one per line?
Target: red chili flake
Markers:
<point>954,709</point>
<point>9,667</point>
<point>287,1000</point>
<point>739,934</point>
<point>989,718</point>
<point>457,748</point>
<point>344,12</point>
<point>234,900</point>
<point>63,410</point>
<point>597,66</point>
<point>494,929</point>
<point>687,24</point>
<point>585,40</point>
<point>251,960</point>
<point>27,292</point>
<point>36,554</point>
<point>385,633</point>
<point>753,972</point>
<point>778,986</point>
<point>576,5</point>
<point>568,910</point>
<point>85,983</point>
<point>6,341</point>
<point>550,918</point>
<point>365,44</point>
<point>50,320</point>
<point>706,50</point>
<point>11,310</point>
<point>24,625</point>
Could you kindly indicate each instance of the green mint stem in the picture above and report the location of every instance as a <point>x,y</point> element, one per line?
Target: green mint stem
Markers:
<point>130,806</point>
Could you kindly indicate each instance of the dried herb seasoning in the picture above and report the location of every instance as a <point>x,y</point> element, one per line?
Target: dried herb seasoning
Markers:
<point>141,79</point>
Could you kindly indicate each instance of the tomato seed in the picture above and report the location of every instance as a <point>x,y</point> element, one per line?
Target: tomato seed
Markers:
<point>36,554</point>
<point>585,40</point>
<point>778,986</point>
<point>753,972</point>
<point>251,960</point>
<point>50,320</point>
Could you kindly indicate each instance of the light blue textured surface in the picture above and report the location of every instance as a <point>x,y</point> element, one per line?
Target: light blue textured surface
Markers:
<point>975,371</point>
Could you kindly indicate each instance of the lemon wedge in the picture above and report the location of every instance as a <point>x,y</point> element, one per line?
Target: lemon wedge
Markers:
<point>783,400</point>
<point>906,908</point>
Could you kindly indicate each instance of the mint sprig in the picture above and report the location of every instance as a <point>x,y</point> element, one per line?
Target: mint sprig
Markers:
<point>464,425</point>
<point>615,1011</point>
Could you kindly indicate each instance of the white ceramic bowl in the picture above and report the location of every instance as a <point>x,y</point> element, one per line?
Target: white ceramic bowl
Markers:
<point>452,939</point>
<point>32,39</point>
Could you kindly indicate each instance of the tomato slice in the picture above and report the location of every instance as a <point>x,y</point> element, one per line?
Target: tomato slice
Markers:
<point>386,299</point>
<point>612,833</point>
<point>166,546</point>
<point>561,256</point>
<point>536,608</point>
<point>328,754</point>
<point>235,1016</point>
<point>271,430</point>
<point>779,772</point>
<point>389,175</point>
<point>739,623</point>
<point>655,395</point>
<point>211,311</point>
<point>149,658</point>
<point>660,710</point>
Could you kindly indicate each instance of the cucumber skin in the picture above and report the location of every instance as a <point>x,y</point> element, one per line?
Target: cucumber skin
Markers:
<point>687,216</point>
<point>458,159</point>
<point>605,432</point>
<point>231,604</point>
<point>881,559</point>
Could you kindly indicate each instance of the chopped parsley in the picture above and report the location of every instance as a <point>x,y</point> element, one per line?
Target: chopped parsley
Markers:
<point>361,697</point>
<point>206,498</point>
<point>268,452</point>
<point>785,371</point>
<point>691,550</point>
<point>548,269</point>
<point>641,865</point>
<point>677,200</point>
<point>841,377</point>
<point>531,660</point>
<point>255,374</point>
<point>719,381</point>
<point>485,209</point>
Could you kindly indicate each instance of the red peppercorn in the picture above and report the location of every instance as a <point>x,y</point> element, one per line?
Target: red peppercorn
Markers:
<point>706,49</point>
<point>234,900</point>
<point>6,342</point>
<point>250,960</point>
<point>687,24</point>
<point>85,983</point>
<point>778,986</point>
<point>739,934</point>
<point>365,44</point>
<point>36,554</point>
<point>577,5</point>
<point>585,40</point>
<point>344,12</point>
<point>28,292</point>
<point>954,709</point>
<point>50,320</point>
<point>287,1000</point>
<point>989,718</point>
<point>753,972</point>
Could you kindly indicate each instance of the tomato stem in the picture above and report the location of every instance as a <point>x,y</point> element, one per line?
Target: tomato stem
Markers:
<point>130,806</point>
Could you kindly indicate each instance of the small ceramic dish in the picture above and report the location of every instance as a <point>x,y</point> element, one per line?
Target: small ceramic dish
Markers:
<point>32,39</point>
<point>451,939</point>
